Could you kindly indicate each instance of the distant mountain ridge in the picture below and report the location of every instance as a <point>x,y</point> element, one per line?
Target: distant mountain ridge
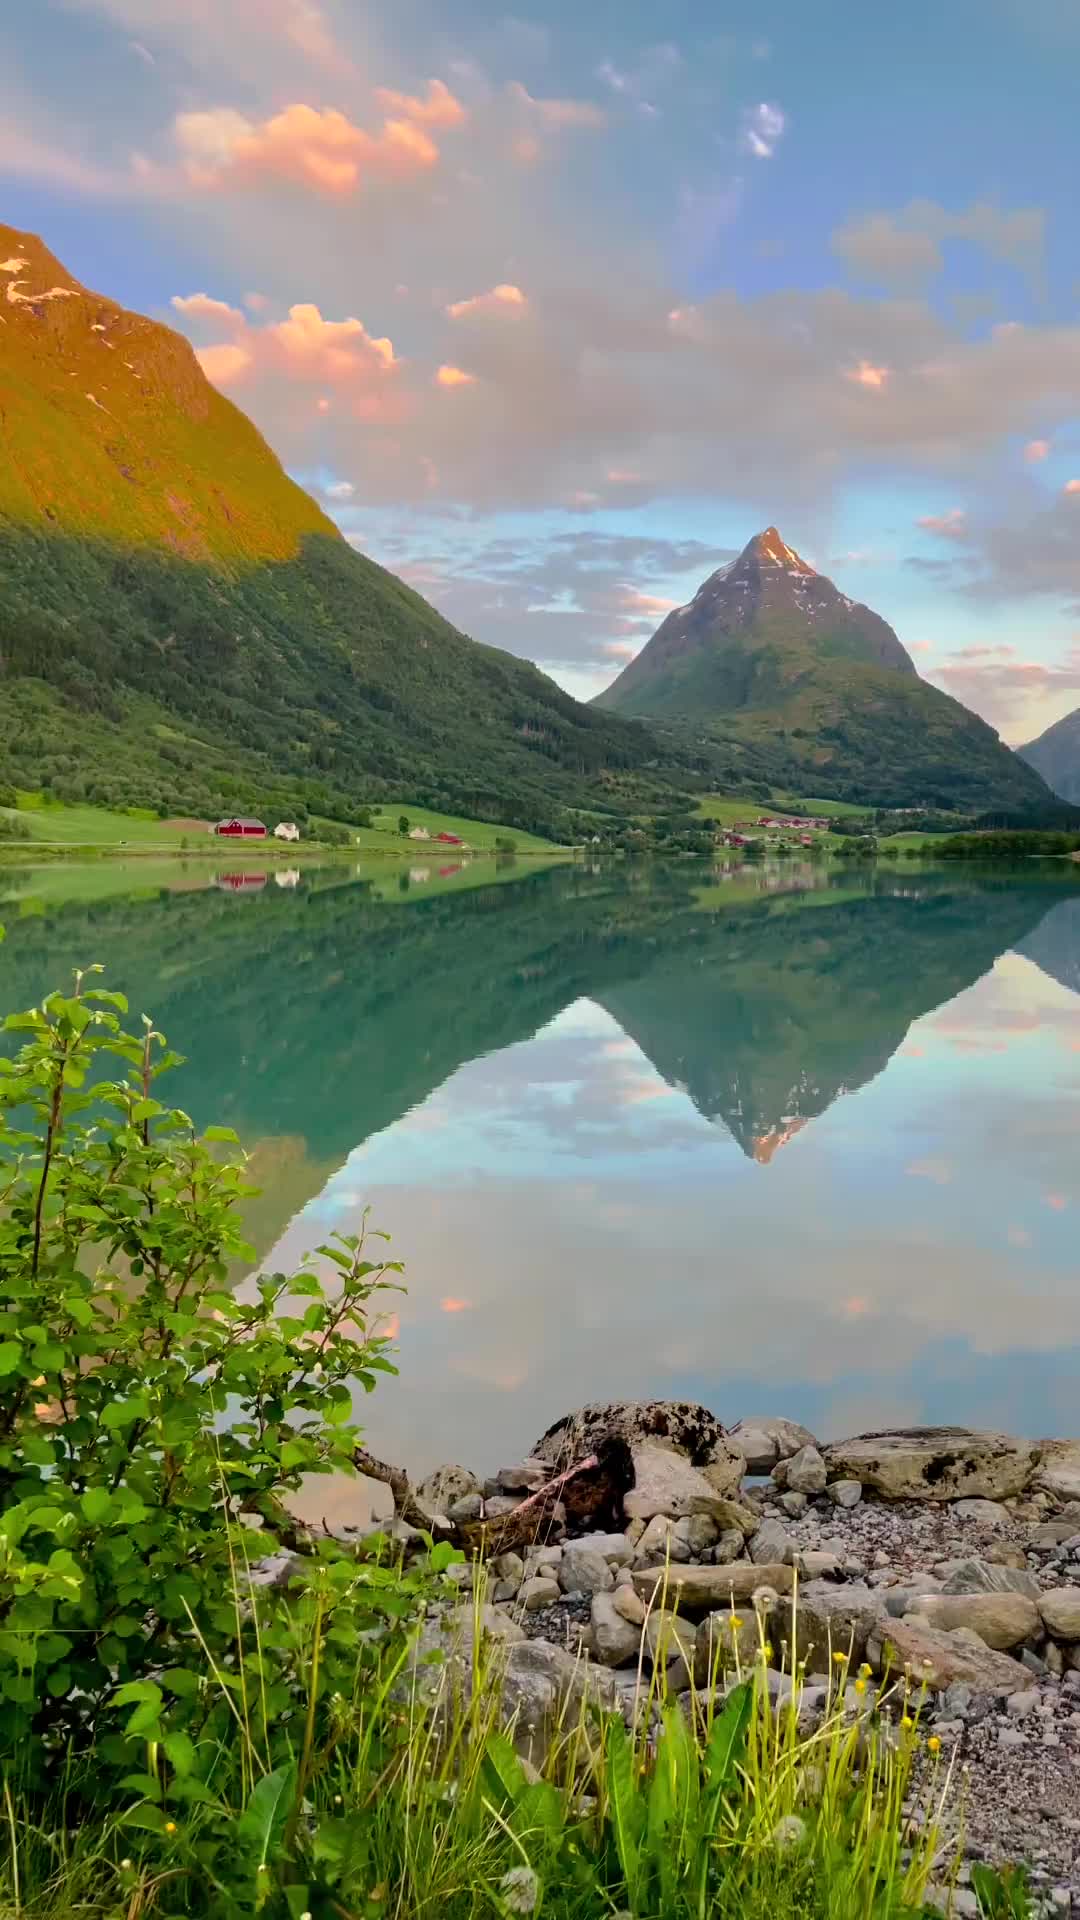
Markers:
<point>1056,756</point>
<point>181,624</point>
<point>815,691</point>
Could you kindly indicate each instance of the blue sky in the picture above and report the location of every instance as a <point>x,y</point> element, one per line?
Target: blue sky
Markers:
<point>556,308</point>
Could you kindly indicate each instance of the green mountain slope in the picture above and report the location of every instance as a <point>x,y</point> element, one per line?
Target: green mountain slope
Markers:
<point>1056,756</point>
<point>792,681</point>
<point>181,625</point>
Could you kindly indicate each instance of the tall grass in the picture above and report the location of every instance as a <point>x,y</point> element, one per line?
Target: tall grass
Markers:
<point>414,1802</point>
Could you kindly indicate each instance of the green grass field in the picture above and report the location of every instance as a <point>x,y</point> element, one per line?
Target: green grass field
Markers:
<point>90,826</point>
<point>480,834</point>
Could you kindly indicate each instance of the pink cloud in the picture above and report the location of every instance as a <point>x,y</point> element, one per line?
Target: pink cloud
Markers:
<point>920,646</point>
<point>200,306</point>
<point>1057,1202</point>
<point>1071,486</point>
<point>623,477</point>
<point>554,115</point>
<point>450,1305</point>
<point>304,350</point>
<point>951,525</point>
<point>225,364</point>
<point>321,149</point>
<point>449,376</point>
<point>440,109</point>
<point>1035,451</point>
<point>866,374</point>
<point>619,649</point>
<point>504,298</point>
<point>632,600</point>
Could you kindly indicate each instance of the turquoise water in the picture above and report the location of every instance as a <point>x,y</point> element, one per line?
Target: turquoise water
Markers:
<point>777,1141</point>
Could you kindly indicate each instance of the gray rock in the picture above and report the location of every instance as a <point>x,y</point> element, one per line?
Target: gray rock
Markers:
<point>1059,1468</point>
<point>975,1575</point>
<point>1001,1620</point>
<point>985,1513</point>
<point>666,1483</point>
<point>446,1484</point>
<point>845,1493</point>
<point>682,1425</point>
<point>539,1592</point>
<point>772,1542</point>
<point>469,1506</point>
<point>526,1478</point>
<point>702,1589</point>
<point>936,1463</point>
<point>700,1532</point>
<point>661,1540</point>
<point>615,1547</point>
<point>818,1565</point>
<point>763,1440</point>
<point>1060,1608</point>
<point>940,1659</point>
<point>581,1571</point>
<point>500,1504</point>
<point>629,1604</point>
<point>543,1688</point>
<point>1050,1533</point>
<point>509,1566</point>
<point>615,1640</point>
<point>806,1472</point>
<point>794,1505</point>
<point>728,1548</point>
<point>822,1620</point>
<point>1019,1705</point>
<point>1011,1737</point>
<point>670,1638</point>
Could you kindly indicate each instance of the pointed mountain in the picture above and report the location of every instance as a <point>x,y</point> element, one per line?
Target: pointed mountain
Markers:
<point>1056,756</point>
<point>814,691</point>
<point>182,627</point>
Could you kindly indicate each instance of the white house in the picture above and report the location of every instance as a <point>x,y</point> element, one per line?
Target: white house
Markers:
<point>419,833</point>
<point>286,830</point>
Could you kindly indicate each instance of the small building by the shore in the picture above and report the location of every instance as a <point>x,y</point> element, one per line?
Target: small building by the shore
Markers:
<point>240,828</point>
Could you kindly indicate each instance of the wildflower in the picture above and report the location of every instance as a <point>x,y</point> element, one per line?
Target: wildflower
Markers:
<point>520,1889</point>
<point>125,1866</point>
<point>789,1833</point>
<point>170,1826</point>
<point>734,1623</point>
<point>860,1686</point>
<point>839,1659</point>
<point>934,1743</point>
<point>866,1670</point>
<point>767,1651</point>
<point>907,1722</point>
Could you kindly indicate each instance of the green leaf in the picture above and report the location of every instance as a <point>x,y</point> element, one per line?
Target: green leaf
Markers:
<point>150,1819</point>
<point>504,1775</point>
<point>262,1822</point>
<point>225,1134</point>
<point>11,1354</point>
<point>627,1808</point>
<point>96,1504</point>
<point>728,1738</point>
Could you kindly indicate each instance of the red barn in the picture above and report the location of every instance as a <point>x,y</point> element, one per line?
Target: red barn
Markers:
<point>240,829</point>
<point>450,839</point>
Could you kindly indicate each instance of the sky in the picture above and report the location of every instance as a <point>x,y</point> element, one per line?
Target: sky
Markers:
<point>554,309</point>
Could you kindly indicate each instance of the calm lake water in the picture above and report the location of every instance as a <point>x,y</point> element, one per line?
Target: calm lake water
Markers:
<point>778,1141</point>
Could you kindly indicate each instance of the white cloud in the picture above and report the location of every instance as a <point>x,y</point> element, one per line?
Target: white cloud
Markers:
<point>763,127</point>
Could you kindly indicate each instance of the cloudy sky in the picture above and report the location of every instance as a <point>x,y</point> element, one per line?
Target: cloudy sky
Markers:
<point>555,313</point>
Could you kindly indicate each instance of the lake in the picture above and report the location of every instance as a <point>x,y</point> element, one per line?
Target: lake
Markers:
<point>800,1140</point>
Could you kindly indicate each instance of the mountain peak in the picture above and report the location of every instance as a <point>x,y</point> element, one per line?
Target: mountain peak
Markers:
<point>770,547</point>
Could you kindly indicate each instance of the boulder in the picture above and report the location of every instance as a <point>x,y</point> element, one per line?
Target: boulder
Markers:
<point>975,1575</point>
<point>615,1547</point>
<point>806,1472</point>
<point>935,1463</point>
<point>772,1542</point>
<point>538,1592</point>
<point>845,1493</point>
<point>662,1541</point>
<point>794,1505</point>
<point>581,1571</point>
<point>703,1589</point>
<point>630,1605</point>
<point>1059,1468</point>
<point>666,1483</point>
<point>732,1516</point>
<point>468,1506</point>
<point>1060,1609</point>
<point>689,1429</point>
<point>447,1484</point>
<point>729,1547</point>
<point>763,1440</point>
<point>822,1619</point>
<point>927,1655</point>
<point>616,1641</point>
<point>985,1513</point>
<point>543,1688</point>
<point>526,1478</point>
<point>726,1639</point>
<point>1001,1620</point>
<point>1051,1533</point>
<point>670,1641</point>
<point>700,1532</point>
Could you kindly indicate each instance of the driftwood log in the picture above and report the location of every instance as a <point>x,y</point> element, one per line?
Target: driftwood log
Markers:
<point>591,1492</point>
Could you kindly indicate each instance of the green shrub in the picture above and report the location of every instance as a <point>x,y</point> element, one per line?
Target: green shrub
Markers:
<point>153,1422</point>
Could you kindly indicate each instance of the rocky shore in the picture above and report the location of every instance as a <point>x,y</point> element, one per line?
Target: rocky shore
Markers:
<point>947,1556</point>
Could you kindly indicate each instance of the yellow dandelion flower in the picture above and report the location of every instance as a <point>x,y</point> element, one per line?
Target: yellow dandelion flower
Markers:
<point>934,1743</point>
<point>170,1826</point>
<point>907,1722</point>
<point>866,1669</point>
<point>734,1623</point>
<point>767,1651</point>
<point>860,1686</point>
<point>839,1659</point>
